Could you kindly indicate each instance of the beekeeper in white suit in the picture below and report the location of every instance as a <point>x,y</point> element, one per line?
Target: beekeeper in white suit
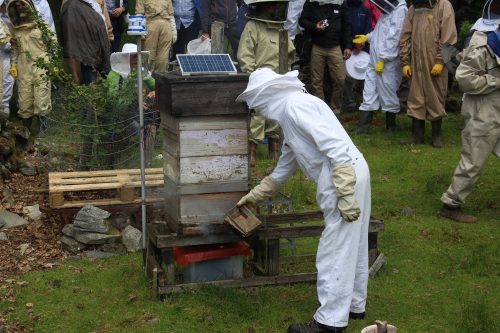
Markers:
<point>383,76</point>
<point>316,141</point>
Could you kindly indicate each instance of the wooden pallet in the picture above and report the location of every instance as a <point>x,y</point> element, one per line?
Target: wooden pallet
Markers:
<point>119,185</point>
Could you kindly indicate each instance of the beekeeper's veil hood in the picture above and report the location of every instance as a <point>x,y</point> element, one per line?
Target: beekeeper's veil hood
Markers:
<point>267,92</point>
<point>120,61</point>
<point>20,12</point>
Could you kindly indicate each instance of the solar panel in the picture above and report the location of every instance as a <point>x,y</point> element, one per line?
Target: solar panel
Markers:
<point>206,64</point>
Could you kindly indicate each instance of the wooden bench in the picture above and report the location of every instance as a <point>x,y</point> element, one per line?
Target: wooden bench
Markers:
<point>113,187</point>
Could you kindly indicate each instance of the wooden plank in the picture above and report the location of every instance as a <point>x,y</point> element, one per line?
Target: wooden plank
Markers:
<point>217,37</point>
<point>209,187</point>
<point>273,257</point>
<point>230,141</point>
<point>297,259</point>
<point>165,241</point>
<point>107,179</point>
<point>283,52</point>
<point>207,208</point>
<point>196,170</point>
<point>106,202</point>
<point>377,265</point>
<point>197,123</point>
<point>100,173</point>
<point>103,186</point>
<point>289,232</point>
<point>256,281</point>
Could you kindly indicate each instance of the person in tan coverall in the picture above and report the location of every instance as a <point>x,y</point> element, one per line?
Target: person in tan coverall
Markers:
<point>161,31</point>
<point>428,25</point>
<point>479,78</point>
<point>259,48</point>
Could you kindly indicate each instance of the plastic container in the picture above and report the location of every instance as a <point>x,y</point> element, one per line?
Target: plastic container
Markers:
<point>137,25</point>
<point>212,262</point>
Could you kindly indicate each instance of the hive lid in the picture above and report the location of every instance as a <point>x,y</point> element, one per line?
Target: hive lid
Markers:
<point>243,220</point>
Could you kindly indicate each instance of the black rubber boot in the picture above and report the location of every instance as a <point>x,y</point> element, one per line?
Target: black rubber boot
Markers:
<point>417,131</point>
<point>365,122</point>
<point>390,122</point>
<point>357,316</point>
<point>436,133</point>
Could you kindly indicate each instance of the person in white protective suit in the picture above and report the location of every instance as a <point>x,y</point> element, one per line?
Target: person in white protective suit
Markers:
<point>315,141</point>
<point>383,76</point>
<point>43,9</point>
<point>478,76</point>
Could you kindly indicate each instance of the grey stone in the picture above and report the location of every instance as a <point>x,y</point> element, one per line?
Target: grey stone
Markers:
<point>11,220</point>
<point>33,212</point>
<point>92,219</point>
<point>23,248</point>
<point>117,248</point>
<point>71,245</point>
<point>69,230</point>
<point>3,236</point>
<point>27,169</point>
<point>95,238</point>
<point>8,197</point>
<point>407,211</point>
<point>96,254</point>
<point>131,238</point>
<point>119,220</point>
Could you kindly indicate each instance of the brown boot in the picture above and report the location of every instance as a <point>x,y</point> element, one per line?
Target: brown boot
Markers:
<point>253,153</point>
<point>456,214</point>
<point>274,149</point>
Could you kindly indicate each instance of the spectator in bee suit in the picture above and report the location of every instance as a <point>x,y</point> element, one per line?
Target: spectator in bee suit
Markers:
<point>162,32</point>
<point>7,81</point>
<point>292,18</point>
<point>383,75</point>
<point>315,141</point>
<point>429,24</point>
<point>27,46</point>
<point>478,76</point>
<point>258,48</point>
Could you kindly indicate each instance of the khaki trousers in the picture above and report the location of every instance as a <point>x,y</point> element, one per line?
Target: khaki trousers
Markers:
<point>261,127</point>
<point>33,91</point>
<point>320,57</point>
<point>158,42</point>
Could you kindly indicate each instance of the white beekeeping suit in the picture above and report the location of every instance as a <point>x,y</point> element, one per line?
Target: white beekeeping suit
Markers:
<point>316,141</point>
<point>43,9</point>
<point>7,79</point>
<point>383,76</point>
<point>292,18</point>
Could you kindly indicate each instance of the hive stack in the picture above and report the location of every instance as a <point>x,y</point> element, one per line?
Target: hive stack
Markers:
<point>205,149</point>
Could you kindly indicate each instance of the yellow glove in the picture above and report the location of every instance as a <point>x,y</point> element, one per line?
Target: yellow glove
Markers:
<point>379,67</point>
<point>437,69</point>
<point>267,188</point>
<point>360,39</point>
<point>407,71</point>
<point>13,70</point>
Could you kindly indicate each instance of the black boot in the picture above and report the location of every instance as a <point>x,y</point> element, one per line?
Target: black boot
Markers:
<point>314,327</point>
<point>27,123</point>
<point>365,122</point>
<point>418,130</point>
<point>390,122</point>
<point>436,133</point>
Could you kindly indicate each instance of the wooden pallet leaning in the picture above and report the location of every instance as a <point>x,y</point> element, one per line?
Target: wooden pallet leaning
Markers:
<point>124,182</point>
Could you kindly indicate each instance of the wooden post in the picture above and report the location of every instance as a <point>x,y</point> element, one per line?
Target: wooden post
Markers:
<point>283,51</point>
<point>217,36</point>
<point>273,257</point>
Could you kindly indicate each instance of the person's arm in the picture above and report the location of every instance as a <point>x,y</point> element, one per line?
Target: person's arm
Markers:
<point>346,27</point>
<point>286,166</point>
<point>246,49</point>
<point>307,19</point>
<point>205,17</point>
<point>405,39</point>
<point>448,31</point>
<point>390,51</point>
<point>125,6</point>
<point>472,75</point>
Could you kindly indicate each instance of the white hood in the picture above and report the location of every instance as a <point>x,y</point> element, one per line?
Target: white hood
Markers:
<point>267,92</point>
<point>120,61</point>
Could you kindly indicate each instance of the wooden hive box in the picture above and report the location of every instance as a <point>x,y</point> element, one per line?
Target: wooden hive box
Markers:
<point>205,149</point>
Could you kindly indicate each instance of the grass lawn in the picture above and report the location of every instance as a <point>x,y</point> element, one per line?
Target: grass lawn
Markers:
<point>440,276</point>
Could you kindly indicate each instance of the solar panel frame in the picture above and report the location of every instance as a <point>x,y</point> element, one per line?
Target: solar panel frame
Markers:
<point>196,64</point>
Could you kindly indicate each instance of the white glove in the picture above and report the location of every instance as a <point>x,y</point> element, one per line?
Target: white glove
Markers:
<point>265,190</point>
<point>173,28</point>
<point>344,179</point>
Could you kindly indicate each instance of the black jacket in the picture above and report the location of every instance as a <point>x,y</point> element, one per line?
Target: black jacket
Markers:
<point>338,31</point>
<point>218,10</point>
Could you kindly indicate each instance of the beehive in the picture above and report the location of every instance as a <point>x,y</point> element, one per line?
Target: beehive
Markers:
<point>205,148</point>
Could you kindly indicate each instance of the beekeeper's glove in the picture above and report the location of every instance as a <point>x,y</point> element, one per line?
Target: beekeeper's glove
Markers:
<point>344,179</point>
<point>13,70</point>
<point>379,67</point>
<point>173,27</point>
<point>407,71</point>
<point>265,190</point>
<point>360,39</point>
<point>437,69</point>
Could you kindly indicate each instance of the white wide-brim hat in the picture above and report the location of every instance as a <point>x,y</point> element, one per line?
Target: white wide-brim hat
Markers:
<point>131,48</point>
<point>264,77</point>
<point>357,64</point>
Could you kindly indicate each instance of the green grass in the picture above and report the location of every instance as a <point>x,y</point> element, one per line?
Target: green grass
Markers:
<point>440,276</point>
